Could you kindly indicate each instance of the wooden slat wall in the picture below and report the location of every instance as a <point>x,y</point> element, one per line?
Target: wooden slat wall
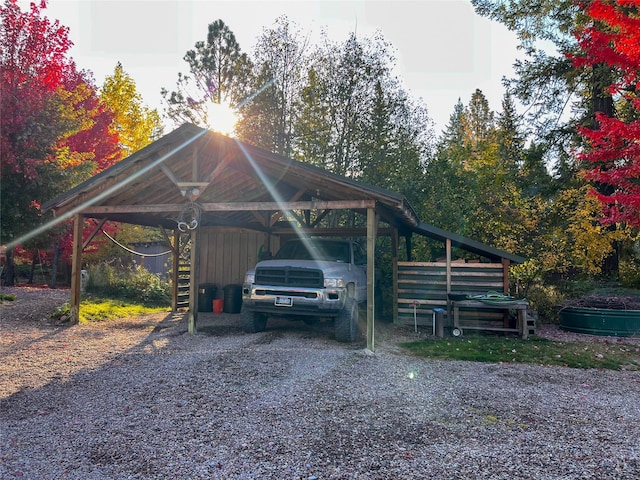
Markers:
<point>425,283</point>
<point>225,256</point>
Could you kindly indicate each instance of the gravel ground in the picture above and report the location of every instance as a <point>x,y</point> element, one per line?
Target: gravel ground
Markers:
<point>143,399</point>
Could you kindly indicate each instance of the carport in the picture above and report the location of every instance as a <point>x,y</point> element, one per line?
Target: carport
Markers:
<point>229,200</point>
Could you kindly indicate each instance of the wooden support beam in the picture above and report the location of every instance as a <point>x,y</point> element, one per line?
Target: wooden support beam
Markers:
<point>407,240</point>
<point>395,240</point>
<point>222,165</point>
<point>448,274</point>
<point>195,166</point>
<point>192,325</point>
<point>169,173</point>
<point>76,269</point>
<point>97,228</point>
<point>372,224</point>
<point>173,245</point>
<point>505,275</point>
<point>175,271</point>
<point>448,260</point>
<point>232,207</point>
<point>300,220</point>
<point>261,220</point>
<point>319,218</point>
<point>329,232</point>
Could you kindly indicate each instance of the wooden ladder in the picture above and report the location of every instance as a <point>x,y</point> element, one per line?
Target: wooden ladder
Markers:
<point>184,271</point>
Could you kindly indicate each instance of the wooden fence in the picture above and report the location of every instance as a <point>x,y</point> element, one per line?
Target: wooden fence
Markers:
<point>423,286</point>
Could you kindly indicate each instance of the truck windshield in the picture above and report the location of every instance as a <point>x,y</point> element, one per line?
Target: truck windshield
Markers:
<point>325,250</point>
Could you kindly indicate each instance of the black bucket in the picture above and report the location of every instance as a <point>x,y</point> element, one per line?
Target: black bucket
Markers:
<point>206,294</point>
<point>232,298</point>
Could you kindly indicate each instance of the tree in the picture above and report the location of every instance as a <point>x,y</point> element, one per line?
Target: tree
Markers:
<point>555,94</point>
<point>218,72</point>
<point>269,118</point>
<point>135,124</point>
<point>394,143</point>
<point>561,96</point>
<point>53,129</point>
<point>479,120</point>
<point>447,183</point>
<point>612,39</point>
<point>344,83</point>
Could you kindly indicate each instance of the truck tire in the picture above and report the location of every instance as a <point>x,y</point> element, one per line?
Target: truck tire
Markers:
<point>347,322</point>
<point>254,322</point>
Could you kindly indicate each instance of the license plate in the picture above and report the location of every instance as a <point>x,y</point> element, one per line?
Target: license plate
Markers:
<point>284,302</point>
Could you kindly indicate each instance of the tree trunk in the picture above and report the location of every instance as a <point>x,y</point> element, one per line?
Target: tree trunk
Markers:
<point>9,270</point>
<point>54,265</point>
<point>611,264</point>
<point>602,102</point>
<point>32,270</point>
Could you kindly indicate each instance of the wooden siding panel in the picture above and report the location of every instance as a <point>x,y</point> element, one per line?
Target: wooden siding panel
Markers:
<point>226,256</point>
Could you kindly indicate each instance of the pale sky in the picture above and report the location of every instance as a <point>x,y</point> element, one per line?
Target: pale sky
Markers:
<point>444,50</point>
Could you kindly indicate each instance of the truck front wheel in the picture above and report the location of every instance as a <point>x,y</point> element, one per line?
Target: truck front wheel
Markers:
<point>347,322</point>
<point>254,322</point>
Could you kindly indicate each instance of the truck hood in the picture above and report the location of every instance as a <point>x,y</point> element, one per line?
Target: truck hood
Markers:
<point>329,268</point>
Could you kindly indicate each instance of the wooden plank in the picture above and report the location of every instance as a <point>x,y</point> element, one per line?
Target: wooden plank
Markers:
<point>454,265</point>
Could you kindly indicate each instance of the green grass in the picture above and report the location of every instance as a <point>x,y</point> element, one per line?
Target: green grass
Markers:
<point>537,351</point>
<point>9,297</point>
<point>104,309</point>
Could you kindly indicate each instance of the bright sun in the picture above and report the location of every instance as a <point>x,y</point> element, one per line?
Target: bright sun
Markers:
<point>222,118</point>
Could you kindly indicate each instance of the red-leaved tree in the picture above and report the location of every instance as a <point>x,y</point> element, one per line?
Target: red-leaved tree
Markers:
<point>54,131</point>
<point>612,39</point>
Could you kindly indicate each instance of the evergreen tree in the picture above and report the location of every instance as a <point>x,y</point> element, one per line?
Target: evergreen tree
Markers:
<point>218,73</point>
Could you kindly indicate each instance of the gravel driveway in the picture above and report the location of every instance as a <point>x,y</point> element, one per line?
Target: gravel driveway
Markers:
<point>143,399</point>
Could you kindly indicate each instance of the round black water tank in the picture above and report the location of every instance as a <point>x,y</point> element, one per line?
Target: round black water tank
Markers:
<point>232,298</point>
<point>206,294</point>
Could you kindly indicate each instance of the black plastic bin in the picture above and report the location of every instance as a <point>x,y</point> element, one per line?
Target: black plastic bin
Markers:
<point>206,294</point>
<point>232,298</point>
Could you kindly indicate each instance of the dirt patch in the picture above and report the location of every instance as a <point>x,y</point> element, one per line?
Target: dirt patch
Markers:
<point>613,302</point>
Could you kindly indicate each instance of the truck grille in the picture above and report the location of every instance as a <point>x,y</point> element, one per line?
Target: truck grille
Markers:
<point>290,276</point>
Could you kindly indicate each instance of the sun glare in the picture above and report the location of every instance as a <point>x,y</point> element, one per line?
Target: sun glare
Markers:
<point>222,118</point>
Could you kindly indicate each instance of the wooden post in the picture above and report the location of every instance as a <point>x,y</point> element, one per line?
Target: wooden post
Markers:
<point>193,281</point>
<point>448,260</point>
<point>175,272</point>
<point>394,254</point>
<point>76,269</point>
<point>505,288</point>
<point>505,275</point>
<point>372,224</point>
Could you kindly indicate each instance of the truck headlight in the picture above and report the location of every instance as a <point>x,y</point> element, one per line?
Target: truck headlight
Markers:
<point>250,278</point>
<point>334,283</point>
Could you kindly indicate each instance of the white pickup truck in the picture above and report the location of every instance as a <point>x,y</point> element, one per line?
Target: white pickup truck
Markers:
<point>308,278</point>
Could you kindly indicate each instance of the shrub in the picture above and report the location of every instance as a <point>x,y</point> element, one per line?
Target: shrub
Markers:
<point>133,283</point>
<point>10,297</point>
<point>546,300</point>
<point>630,273</point>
